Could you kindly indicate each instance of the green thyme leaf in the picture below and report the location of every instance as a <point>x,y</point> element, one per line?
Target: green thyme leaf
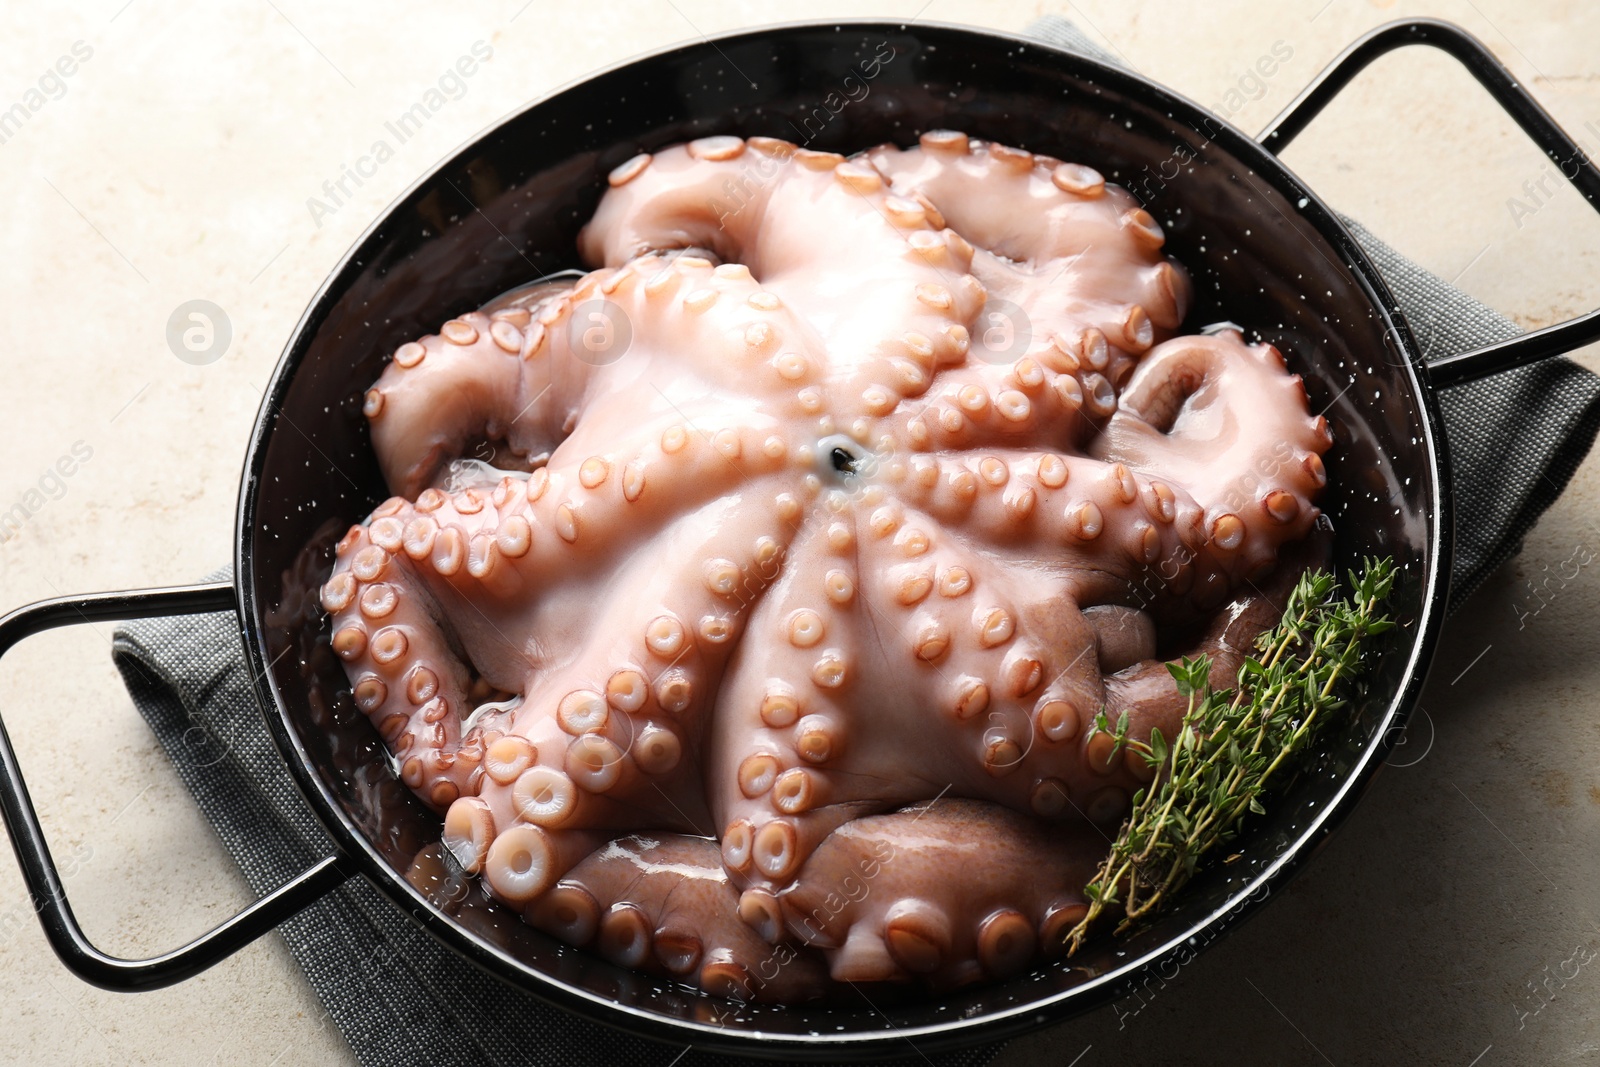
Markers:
<point>1234,743</point>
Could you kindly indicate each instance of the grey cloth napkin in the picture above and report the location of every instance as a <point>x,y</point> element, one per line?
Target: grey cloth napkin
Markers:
<point>400,997</point>
<point>1514,439</point>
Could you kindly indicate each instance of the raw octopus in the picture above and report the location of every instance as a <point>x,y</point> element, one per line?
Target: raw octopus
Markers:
<point>770,652</point>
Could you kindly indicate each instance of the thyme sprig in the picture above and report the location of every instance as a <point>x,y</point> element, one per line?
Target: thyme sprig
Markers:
<point>1233,743</point>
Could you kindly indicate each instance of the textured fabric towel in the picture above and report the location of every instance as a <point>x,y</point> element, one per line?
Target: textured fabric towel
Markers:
<point>402,998</point>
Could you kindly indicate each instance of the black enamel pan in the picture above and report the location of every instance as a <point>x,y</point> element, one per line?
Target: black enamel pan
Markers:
<point>1263,249</point>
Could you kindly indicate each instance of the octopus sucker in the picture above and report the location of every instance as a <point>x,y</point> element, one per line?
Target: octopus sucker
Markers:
<point>767,653</point>
<point>523,862</point>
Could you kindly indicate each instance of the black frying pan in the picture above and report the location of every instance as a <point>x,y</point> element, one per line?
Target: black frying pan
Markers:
<point>1263,249</point>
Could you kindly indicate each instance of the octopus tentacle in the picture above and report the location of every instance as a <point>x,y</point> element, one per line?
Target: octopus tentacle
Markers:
<point>662,903</point>
<point>708,194</point>
<point>612,730</point>
<point>912,299</point>
<point>502,374</point>
<point>1227,421</point>
<point>407,677</point>
<point>498,546</point>
<point>981,404</point>
<point>413,558</point>
<point>689,324</point>
<point>1054,239</point>
<point>961,656</point>
<point>879,897</point>
<point>1129,533</point>
<point>782,714</point>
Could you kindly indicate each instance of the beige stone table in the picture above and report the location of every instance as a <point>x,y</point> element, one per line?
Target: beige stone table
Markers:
<point>175,163</point>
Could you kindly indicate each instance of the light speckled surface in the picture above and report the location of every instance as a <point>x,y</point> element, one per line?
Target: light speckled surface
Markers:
<point>177,166</point>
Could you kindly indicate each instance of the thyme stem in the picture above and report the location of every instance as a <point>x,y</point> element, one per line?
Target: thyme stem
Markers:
<point>1233,742</point>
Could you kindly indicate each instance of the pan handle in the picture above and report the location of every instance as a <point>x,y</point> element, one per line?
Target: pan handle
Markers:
<point>1535,121</point>
<point>33,853</point>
